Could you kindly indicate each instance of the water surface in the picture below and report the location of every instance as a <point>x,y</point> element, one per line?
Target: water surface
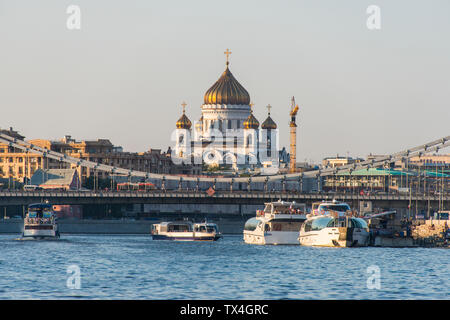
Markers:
<point>136,267</point>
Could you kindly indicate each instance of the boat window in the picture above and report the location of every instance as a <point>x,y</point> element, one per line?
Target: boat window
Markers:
<point>179,228</point>
<point>282,210</point>
<point>251,224</point>
<point>320,223</point>
<point>355,223</point>
<point>308,226</point>
<point>47,214</point>
<point>362,223</point>
<point>335,207</point>
<point>333,223</point>
<point>211,228</point>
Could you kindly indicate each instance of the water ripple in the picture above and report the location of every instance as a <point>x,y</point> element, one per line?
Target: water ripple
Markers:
<point>136,267</point>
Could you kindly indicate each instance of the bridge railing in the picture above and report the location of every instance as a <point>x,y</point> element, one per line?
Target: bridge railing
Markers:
<point>220,194</point>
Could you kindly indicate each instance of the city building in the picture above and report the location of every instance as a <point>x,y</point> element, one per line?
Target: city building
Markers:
<point>60,179</point>
<point>227,132</point>
<point>428,174</point>
<point>338,161</point>
<point>19,165</point>
<point>432,162</point>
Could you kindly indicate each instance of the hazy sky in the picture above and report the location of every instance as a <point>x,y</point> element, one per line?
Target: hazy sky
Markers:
<point>125,73</point>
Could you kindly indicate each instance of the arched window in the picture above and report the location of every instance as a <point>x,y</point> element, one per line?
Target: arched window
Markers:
<point>249,140</point>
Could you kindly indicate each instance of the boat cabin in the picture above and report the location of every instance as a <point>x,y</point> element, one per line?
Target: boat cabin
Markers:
<point>40,210</point>
<point>176,226</point>
<point>324,207</point>
<point>206,227</point>
<point>320,223</point>
<point>284,207</point>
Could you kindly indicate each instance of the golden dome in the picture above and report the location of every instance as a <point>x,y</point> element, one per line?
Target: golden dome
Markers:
<point>269,123</point>
<point>184,122</point>
<point>251,122</point>
<point>227,90</point>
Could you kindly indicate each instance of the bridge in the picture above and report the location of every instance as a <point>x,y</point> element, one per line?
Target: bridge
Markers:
<point>10,198</point>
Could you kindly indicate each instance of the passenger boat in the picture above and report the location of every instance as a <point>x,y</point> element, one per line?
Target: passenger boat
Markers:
<point>40,222</point>
<point>278,223</point>
<point>185,231</point>
<point>333,224</point>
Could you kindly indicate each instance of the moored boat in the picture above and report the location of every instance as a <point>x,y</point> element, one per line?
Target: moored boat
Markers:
<point>278,223</point>
<point>185,231</point>
<point>333,224</point>
<point>40,222</point>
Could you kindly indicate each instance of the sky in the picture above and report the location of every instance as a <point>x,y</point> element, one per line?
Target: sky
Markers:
<point>124,74</point>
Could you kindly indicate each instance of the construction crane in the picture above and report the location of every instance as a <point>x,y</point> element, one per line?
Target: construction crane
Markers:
<point>293,125</point>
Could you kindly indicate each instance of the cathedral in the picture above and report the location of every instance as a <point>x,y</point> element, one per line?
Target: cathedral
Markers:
<point>227,133</point>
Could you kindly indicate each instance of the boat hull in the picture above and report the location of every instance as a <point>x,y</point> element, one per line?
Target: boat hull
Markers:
<point>272,237</point>
<point>186,237</point>
<point>33,233</point>
<point>335,237</point>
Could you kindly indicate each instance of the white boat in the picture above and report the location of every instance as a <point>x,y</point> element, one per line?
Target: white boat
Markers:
<point>333,224</point>
<point>40,222</point>
<point>185,231</point>
<point>278,223</point>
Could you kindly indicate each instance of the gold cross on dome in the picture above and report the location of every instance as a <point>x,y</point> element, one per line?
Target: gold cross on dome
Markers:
<point>251,104</point>
<point>269,107</point>
<point>227,53</point>
<point>184,105</point>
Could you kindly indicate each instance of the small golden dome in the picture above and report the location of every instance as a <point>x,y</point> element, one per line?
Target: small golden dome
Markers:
<point>227,90</point>
<point>184,122</point>
<point>269,123</point>
<point>251,122</point>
